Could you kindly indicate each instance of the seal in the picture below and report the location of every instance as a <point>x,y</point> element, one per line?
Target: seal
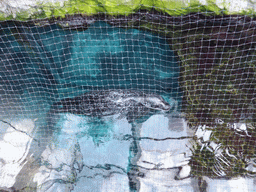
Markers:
<point>129,103</point>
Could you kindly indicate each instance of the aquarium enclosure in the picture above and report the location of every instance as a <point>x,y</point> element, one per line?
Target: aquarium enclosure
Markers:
<point>127,96</point>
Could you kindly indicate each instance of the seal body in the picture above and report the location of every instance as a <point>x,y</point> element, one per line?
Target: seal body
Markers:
<point>109,102</point>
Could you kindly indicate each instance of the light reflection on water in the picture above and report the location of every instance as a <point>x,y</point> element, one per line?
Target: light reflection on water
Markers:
<point>104,154</point>
<point>94,154</point>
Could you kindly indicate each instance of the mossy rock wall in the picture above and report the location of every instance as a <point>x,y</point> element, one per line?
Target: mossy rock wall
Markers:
<point>218,75</point>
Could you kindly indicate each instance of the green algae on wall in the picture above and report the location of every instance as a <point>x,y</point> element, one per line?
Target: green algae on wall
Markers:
<point>219,71</point>
<point>42,10</point>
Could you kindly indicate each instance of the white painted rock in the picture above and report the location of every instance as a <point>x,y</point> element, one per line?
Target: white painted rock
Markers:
<point>164,143</point>
<point>230,185</point>
<point>14,148</point>
<point>61,160</point>
<point>163,180</point>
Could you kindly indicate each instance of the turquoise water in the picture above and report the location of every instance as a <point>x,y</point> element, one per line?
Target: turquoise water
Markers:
<point>40,65</point>
<point>56,61</point>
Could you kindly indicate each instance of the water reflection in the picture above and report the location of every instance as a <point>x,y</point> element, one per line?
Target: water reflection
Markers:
<point>113,149</point>
<point>93,153</point>
<point>109,153</point>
